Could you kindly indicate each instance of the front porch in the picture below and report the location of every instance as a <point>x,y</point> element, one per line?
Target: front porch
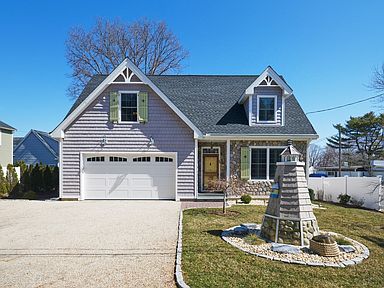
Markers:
<point>221,159</point>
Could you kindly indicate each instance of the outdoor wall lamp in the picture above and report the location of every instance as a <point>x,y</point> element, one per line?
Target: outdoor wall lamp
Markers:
<point>151,141</point>
<point>104,141</point>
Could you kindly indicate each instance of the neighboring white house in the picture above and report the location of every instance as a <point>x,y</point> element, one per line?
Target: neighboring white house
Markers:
<point>377,168</point>
<point>6,144</point>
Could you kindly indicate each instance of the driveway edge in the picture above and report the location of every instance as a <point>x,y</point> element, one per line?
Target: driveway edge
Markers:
<point>179,249</point>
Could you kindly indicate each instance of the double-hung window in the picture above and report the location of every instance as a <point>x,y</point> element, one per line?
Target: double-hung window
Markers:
<point>128,107</point>
<point>266,111</point>
<point>263,162</point>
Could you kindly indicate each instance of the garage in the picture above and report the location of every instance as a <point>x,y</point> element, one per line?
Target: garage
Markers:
<point>129,176</point>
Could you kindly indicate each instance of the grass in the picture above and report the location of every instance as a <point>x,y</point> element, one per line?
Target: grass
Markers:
<point>253,239</point>
<point>208,261</point>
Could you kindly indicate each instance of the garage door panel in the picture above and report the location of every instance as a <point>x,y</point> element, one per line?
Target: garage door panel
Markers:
<point>130,180</point>
<point>141,194</point>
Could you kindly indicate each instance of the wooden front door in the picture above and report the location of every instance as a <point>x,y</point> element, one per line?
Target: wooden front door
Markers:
<point>210,171</point>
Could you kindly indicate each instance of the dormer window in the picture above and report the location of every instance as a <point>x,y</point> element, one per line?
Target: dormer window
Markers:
<point>128,106</point>
<point>266,109</point>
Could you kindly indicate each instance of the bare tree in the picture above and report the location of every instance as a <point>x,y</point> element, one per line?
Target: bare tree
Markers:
<point>149,45</point>
<point>329,157</point>
<point>228,187</point>
<point>315,155</point>
<point>377,83</point>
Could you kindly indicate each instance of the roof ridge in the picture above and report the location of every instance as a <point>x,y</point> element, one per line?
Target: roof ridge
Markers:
<point>206,75</point>
<point>45,143</point>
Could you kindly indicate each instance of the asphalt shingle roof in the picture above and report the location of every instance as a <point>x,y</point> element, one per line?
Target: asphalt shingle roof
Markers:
<point>6,126</point>
<point>210,102</point>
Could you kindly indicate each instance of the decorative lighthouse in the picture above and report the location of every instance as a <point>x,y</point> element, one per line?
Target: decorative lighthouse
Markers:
<point>289,216</point>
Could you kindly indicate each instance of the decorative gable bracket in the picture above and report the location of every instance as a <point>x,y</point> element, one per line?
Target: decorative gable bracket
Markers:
<point>126,76</point>
<point>269,78</point>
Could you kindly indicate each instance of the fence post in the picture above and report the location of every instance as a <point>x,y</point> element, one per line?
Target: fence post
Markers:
<point>380,191</point>
<point>322,187</point>
<point>346,184</point>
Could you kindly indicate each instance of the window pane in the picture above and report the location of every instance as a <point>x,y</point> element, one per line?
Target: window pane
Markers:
<point>128,114</point>
<point>259,163</point>
<point>266,109</point>
<point>129,107</point>
<point>274,156</point>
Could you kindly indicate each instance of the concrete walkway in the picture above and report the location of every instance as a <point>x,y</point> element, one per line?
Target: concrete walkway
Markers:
<point>88,243</point>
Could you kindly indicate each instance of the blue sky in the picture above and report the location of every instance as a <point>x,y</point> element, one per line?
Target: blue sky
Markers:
<point>326,50</point>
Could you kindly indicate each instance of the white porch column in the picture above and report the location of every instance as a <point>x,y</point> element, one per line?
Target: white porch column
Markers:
<point>228,158</point>
<point>196,169</point>
<point>307,161</point>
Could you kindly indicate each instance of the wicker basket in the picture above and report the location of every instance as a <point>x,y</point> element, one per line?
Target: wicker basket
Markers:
<point>323,249</point>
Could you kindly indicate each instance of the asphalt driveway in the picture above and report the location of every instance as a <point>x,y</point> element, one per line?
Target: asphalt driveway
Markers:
<point>87,243</point>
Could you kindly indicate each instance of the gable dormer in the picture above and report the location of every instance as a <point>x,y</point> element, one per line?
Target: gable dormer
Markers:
<point>264,99</point>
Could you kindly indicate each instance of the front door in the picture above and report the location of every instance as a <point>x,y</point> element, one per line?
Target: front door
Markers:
<point>210,171</point>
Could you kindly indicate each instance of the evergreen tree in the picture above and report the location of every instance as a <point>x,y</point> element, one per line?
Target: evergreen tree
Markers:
<point>47,176</point>
<point>3,190</point>
<point>11,180</point>
<point>366,134</point>
<point>36,179</point>
<point>339,139</point>
<point>55,180</point>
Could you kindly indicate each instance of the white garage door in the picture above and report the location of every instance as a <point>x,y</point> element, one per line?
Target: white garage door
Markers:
<point>116,176</point>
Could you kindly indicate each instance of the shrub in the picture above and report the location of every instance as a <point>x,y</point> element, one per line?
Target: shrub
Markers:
<point>356,203</point>
<point>30,195</point>
<point>3,190</point>
<point>311,194</point>
<point>344,198</point>
<point>342,241</point>
<point>246,198</point>
<point>324,238</point>
<point>11,180</point>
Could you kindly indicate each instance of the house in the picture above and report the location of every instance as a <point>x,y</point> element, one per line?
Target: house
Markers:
<point>16,141</point>
<point>37,147</point>
<point>133,136</point>
<point>6,144</point>
<point>346,170</point>
<point>377,168</point>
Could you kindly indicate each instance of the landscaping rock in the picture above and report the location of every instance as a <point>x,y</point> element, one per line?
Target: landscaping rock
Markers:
<point>276,251</point>
<point>250,225</point>
<point>347,248</point>
<point>241,230</point>
<point>284,248</point>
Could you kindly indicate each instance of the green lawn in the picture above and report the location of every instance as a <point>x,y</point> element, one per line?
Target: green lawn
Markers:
<point>208,261</point>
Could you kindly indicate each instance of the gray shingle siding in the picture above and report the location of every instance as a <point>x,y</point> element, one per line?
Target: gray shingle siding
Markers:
<point>169,132</point>
<point>267,91</point>
<point>246,108</point>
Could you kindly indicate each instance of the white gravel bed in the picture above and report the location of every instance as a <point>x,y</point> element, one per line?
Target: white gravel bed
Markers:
<point>305,257</point>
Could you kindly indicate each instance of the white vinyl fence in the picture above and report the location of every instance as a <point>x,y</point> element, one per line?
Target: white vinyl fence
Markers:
<point>368,190</point>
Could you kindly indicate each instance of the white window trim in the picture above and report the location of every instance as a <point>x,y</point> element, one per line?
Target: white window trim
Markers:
<point>258,107</point>
<point>137,107</point>
<point>268,156</point>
